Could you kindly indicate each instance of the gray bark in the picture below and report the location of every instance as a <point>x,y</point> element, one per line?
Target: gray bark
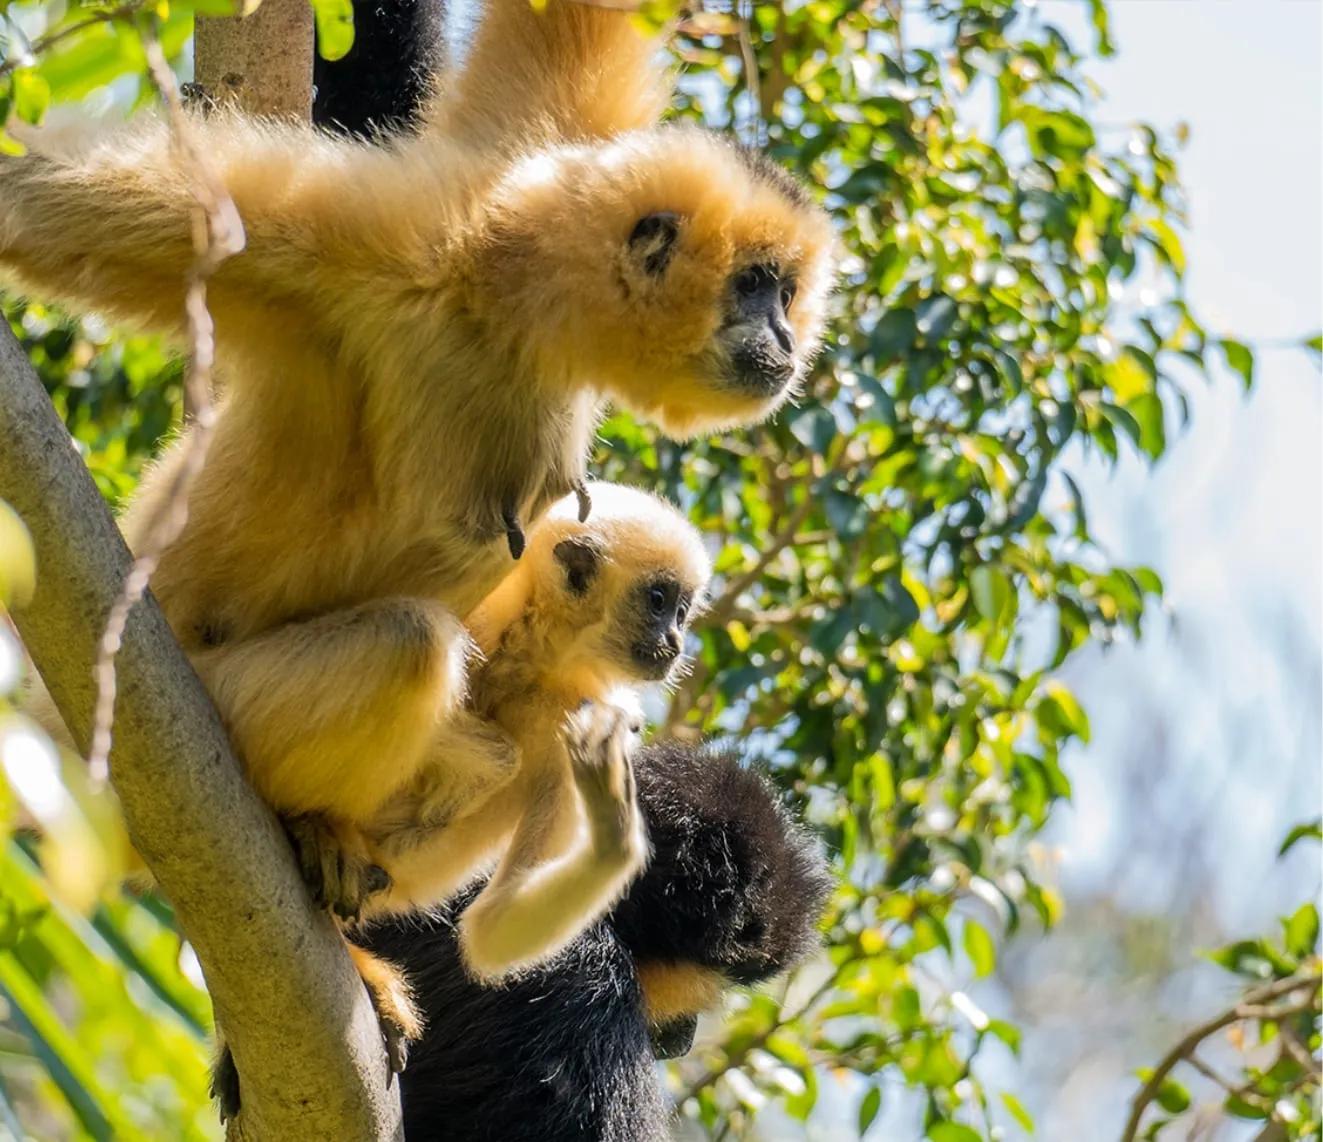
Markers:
<point>298,1019</point>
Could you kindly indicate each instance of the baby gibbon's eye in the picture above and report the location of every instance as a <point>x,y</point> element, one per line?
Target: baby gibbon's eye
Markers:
<point>681,613</point>
<point>657,600</point>
<point>787,296</point>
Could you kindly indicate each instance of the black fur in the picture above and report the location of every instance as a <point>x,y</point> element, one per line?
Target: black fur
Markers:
<point>379,86</point>
<point>565,1054</point>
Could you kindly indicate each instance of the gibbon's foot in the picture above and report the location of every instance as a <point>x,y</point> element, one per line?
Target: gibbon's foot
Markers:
<point>600,740</point>
<point>392,1001</point>
<point>585,500</point>
<point>225,1085</point>
<point>340,880</point>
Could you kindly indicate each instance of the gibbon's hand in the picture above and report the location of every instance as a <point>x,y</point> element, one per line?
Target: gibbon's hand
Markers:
<point>338,872</point>
<point>600,740</point>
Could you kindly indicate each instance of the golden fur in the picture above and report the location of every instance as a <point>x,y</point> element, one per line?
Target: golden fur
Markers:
<point>415,346</point>
<point>551,715</point>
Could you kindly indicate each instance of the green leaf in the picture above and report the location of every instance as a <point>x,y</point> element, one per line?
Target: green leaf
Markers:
<point>1173,1097</point>
<point>1312,830</point>
<point>18,561</point>
<point>980,948</point>
<point>31,95</point>
<point>1148,414</point>
<point>868,1108</point>
<point>335,27</point>
<point>1240,359</point>
<point>952,1132</point>
<point>1300,934</point>
<point>1315,344</point>
<point>991,589</point>
<point>1017,1111</point>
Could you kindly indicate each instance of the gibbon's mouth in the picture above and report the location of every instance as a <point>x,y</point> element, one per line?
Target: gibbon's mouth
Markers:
<point>760,368</point>
<point>652,660</point>
<point>674,1038</point>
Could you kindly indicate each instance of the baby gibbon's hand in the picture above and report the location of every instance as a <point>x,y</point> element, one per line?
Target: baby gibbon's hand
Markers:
<point>601,739</point>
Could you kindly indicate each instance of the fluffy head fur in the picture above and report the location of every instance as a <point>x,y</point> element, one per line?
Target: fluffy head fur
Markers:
<point>733,885</point>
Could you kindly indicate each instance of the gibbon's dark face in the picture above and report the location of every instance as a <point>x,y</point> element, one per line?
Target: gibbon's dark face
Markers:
<point>645,621</point>
<point>756,342</point>
<point>654,614</point>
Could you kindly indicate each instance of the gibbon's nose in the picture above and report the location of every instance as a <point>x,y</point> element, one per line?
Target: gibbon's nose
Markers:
<point>671,643</point>
<point>785,336</point>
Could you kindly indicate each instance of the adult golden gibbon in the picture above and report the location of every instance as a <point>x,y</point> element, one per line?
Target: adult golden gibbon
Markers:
<point>414,350</point>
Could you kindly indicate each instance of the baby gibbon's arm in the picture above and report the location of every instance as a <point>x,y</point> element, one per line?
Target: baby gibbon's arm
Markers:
<point>570,71</point>
<point>110,226</point>
<point>539,900</point>
<point>337,713</point>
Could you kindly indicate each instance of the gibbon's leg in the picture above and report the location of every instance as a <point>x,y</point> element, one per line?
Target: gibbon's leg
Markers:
<point>110,226</point>
<point>393,1001</point>
<point>336,714</point>
<point>572,70</point>
<point>539,900</point>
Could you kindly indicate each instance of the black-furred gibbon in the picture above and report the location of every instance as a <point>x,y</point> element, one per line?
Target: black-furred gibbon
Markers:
<point>414,349</point>
<point>564,1053</point>
<point>381,84</point>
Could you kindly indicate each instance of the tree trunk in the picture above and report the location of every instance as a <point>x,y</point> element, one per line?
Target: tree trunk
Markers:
<point>262,62</point>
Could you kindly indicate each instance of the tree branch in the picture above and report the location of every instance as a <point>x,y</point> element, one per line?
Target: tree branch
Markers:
<point>262,62</point>
<point>1253,1005</point>
<point>296,1014</point>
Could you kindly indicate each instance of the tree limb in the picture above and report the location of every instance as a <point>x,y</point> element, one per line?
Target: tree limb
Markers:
<point>262,61</point>
<point>1253,1005</point>
<point>298,1019</point>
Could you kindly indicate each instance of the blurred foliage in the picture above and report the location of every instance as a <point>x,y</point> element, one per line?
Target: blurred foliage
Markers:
<point>904,562</point>
<point>1274,1032</point>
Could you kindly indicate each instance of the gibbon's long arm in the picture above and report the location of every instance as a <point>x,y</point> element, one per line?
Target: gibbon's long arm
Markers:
<point>110,226</point>
<point>539,900</point>
<point>571,71</point>
<point>306,703</point>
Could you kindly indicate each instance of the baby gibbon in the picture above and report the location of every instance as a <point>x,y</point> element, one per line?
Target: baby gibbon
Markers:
<point>731,895</point>
<point>536,769</point>
<point>413,350</point>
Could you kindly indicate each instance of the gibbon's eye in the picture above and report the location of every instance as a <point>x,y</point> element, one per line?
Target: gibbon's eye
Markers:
<point>681,613</point>
<point>788,292</point>
<point>654,237</point>
<point>657,600</point>
<point>749,282</point>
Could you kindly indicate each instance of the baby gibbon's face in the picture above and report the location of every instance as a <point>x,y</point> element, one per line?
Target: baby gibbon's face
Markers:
<point>632,613</point>
<point>616,593</point>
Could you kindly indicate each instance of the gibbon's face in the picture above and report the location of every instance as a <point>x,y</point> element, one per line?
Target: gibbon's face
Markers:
<point>684,275</point>
<point>723,276</point>
<point>622,588</point>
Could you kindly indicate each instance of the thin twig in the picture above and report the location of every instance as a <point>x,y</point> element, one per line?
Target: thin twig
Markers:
<point>217,233</point>
<point>1256,1004</point>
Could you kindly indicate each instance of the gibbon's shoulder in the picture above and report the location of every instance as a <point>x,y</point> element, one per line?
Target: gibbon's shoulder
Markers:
<point>734,884</point>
